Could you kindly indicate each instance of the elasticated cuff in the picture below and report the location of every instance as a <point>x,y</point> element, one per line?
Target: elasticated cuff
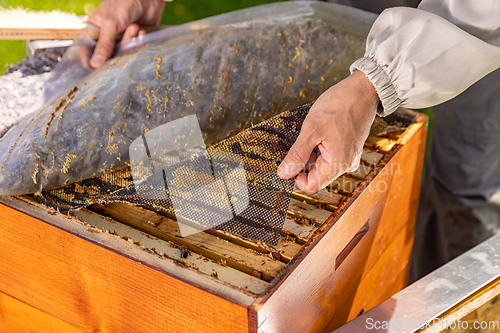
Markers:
<point>382,83</point>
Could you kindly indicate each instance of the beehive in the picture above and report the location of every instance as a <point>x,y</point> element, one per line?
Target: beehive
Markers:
<point>119,268</point>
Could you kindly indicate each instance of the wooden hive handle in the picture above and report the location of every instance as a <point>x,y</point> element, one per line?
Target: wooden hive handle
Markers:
<point>352,244</point>
<point>62,34</point>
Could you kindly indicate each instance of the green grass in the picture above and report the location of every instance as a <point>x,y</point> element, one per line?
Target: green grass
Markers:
<point>176,12</point>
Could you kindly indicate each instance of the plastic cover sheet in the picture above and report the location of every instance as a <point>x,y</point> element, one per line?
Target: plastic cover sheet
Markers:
<point>230,71</point>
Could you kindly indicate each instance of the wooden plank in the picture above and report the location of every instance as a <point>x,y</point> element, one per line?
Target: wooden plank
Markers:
<point>371,157</point>
<point>383,273</point>
<point>61,34</point>
<point>288,246</point>
<point>73,225</point>
<point>382,144</point>
<point>235,242</point>
<point>361,172</point>
<point>97,290</point>
<point>19,317</point>
<point>408,133</point>
<point>243,259</point>
<point>287,235</point>
<point>398,180</point>
<point>301,231</point>
<point>239,240</point>
<point>288,249</point>
<point>329,199</point>
<point>345,184</point>
<point>40,34</point>
<point>174,252</point>
<point>284,251</point>
<point>404,172</point>
<point>300,210</point>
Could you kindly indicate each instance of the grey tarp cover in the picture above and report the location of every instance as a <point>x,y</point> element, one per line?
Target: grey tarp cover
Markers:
<point>231,71</point>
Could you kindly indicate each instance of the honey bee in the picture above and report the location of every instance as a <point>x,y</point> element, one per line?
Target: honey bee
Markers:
<point>184,252</point>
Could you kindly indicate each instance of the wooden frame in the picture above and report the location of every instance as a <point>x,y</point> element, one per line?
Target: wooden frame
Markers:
<point>86,272</point>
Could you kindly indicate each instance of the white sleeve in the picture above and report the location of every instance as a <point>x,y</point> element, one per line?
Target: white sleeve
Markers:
<point>422,57</point>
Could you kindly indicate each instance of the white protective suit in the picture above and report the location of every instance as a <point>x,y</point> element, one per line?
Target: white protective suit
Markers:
<point>421,57</point>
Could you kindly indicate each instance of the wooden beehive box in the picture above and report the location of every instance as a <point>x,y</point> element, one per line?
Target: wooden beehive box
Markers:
<point>119,268</point>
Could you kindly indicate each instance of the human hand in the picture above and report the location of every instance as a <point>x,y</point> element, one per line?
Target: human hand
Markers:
<point>331,140</point>
<point>116,16</point>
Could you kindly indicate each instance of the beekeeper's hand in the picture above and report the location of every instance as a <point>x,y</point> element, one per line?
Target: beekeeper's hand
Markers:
<point>331,140</point>
<point>117,16</point>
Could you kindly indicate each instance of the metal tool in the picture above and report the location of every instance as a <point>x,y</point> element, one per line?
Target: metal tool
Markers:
<point>428,303</point>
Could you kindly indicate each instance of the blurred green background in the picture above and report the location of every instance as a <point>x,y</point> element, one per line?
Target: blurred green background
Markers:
<point>176,12</point>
